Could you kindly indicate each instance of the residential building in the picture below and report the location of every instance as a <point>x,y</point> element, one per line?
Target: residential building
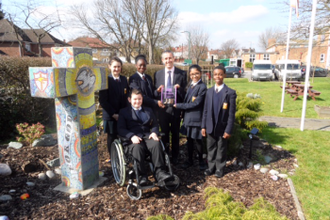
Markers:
<point>101,51</point>
<point>11,36</point>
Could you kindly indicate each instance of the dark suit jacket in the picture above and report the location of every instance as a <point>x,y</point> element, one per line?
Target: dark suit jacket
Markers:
<point>147,89</point>
<point>193,105</point>
<point>114,98</point>
<point>180,78</point>
<point>226,117</point>
<point>129,124</point>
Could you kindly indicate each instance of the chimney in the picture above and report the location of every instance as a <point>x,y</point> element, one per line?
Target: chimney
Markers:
<point>271,41</point>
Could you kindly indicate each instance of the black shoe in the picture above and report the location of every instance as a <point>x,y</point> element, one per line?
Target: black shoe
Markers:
<point>218,173</point>
<point>208,172</point>
<point>202,166</point>
<point>144,181</point>
<point>162,176</point>
<point>186,165</point>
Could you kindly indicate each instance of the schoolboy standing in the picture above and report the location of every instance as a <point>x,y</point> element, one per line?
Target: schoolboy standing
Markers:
<point>218,122</point>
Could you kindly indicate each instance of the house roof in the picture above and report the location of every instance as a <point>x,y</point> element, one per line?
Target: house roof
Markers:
<point>47,39</point>
<point>88,42</point>
<point>7,34</point>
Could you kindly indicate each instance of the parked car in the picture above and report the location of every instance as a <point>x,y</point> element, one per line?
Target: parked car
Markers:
<point>233,72</point>
<point>319,71</point>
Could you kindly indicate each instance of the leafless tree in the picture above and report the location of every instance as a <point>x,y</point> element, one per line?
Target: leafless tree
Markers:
<point>109,21</point>
<point>198,43</point>
<point>300,27</point>
<point>31,15</point>
<point>154,20</point>
<point>271,33</point>
<point>228,47</point>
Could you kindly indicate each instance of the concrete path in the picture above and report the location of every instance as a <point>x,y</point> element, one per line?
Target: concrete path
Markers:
<point>310,123</point>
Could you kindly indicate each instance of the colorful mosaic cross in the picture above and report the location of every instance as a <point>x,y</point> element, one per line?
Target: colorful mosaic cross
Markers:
<point>72,82</point>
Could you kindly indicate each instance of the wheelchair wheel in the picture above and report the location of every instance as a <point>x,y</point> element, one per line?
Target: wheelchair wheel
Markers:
<point>118,163</point>
<point>133,192</point>
<point>173,184</point>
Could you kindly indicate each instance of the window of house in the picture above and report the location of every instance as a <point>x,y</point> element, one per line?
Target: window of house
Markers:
<point>266,56</point>
<point>322,38</point>
<point>94,51</point>
<point>105,50</point>
<point>252,57</point>
<point>322,58</point>
<point>28,47</point>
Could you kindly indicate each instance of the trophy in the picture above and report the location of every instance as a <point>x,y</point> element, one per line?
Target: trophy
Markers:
<point>168,95</point>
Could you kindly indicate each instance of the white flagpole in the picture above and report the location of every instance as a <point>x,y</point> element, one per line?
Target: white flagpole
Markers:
<point>286,58</point>
<point>309,55</point>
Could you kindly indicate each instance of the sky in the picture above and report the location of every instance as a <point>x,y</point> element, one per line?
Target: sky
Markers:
<point>242,20</point>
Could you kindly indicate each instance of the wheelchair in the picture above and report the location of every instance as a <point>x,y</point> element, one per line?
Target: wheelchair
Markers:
<point>124,168</point>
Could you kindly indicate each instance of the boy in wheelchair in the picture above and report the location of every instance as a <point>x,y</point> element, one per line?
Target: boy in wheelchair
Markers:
<point>138,125</point>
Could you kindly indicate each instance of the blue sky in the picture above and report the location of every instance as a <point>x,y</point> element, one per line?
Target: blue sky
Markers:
<point>223,20</point>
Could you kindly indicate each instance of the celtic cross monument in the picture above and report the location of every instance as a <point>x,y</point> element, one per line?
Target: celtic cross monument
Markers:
<point>72,81</point>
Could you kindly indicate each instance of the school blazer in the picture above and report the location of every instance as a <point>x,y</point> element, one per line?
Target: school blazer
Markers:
<point>114,98</point>
<point>147,89</point>
<point>193,105</point>
<point>180,78</point>
<point>226,117</point>
<point>129,124</point>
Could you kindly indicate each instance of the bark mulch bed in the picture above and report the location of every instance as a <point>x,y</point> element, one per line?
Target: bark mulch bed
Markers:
<point>110,201</point>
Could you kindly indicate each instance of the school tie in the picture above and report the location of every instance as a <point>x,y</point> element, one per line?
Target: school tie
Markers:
<point>144,78</point>
<point>117,80</point>
<point>169,81</point>
<point>216,90</point>
<point>141,115</point>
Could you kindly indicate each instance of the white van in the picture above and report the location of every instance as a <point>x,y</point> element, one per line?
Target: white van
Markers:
<point>293,70</point>
<point>262,70</point>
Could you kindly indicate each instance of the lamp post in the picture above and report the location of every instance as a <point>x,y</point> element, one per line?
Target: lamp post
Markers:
<point>188,42</point>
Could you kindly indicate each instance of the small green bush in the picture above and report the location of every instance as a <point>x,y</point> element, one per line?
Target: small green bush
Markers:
<point>220,205</point>
<point>16,103</point>
<point>248,64</point>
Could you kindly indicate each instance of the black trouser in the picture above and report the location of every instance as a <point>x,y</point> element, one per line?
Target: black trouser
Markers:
<point>199,147</point>
<point>216,152</point>
<point>110,139</point>
<point>111,130</point>
<point>152,147</point>
<point>168,123</point>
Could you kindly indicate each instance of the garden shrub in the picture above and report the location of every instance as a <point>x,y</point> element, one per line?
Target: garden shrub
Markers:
<point>220,205</point>
<point>16,103</point>
<point>248,65</point>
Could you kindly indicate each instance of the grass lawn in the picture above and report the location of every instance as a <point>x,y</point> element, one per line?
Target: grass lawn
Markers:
<point>271,95</point>
<point>312,177</point>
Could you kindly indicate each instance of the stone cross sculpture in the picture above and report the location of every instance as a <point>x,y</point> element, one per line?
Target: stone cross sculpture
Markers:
<point>72,82</point>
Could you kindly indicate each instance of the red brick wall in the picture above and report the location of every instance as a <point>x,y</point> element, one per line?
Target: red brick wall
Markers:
<point>11,49</point>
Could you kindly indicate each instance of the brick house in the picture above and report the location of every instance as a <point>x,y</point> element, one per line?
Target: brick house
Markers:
<point>101,51</point>
<point>299,48</point>
<point>9,41</point>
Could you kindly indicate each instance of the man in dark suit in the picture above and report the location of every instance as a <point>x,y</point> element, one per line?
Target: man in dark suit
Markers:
<point>218,122</point>
<point>143,82</point>
<point>139,125</point>
<point>169,117</point>
<point>113,99</point>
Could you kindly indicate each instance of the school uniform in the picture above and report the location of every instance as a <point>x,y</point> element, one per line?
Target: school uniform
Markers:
<point>218,118</point>
<point>112,100</point>
<point>143,82</point>
<point>169,117</point>
<point>141,122</point>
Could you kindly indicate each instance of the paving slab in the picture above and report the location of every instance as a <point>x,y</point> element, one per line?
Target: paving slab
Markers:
<point>310,123</point>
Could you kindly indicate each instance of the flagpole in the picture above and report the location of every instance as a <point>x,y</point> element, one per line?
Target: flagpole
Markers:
<point>286,59</point>
<point>309,55</point>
